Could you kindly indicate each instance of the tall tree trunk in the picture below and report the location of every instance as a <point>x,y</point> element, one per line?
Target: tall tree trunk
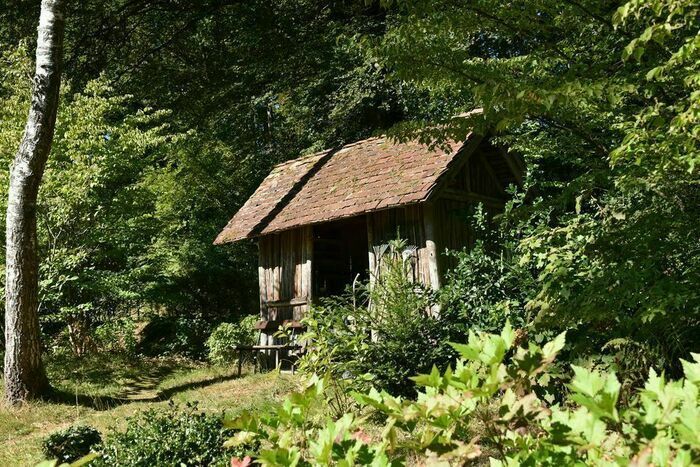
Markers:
<point>24,373</point>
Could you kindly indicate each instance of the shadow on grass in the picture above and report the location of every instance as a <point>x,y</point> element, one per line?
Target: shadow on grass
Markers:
<point>134,393</point>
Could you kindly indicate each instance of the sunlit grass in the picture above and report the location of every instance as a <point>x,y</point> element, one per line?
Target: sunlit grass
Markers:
<point>104,390</point>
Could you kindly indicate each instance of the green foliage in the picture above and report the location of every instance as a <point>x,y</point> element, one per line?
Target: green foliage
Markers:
<point>96,206</point>
<point>117,336</point>
<point>293,435</point>
<point>226,337</point>
<point>494,404</point>
<point>175,335</point>
<point>71,444</point>
<point>384,333</point>
<point>124,221</point>
<point>600,99</point>
<point>664,132</point>
<point>487,286</point>
<point>172,436</point>
<point>153,155</point>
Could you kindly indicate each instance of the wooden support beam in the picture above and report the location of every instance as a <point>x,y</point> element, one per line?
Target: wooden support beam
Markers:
<point>307,267</point>
<point>514,164</point>
<point>262,285</point>
<point>286,303</point>
<point>268,347</point>
<point>472,197</point>
<point>461,160</point>
<point>492,174</point>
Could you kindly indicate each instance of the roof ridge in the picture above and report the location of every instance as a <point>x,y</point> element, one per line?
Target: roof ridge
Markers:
<point>300,158</point>
<point>326,151</point>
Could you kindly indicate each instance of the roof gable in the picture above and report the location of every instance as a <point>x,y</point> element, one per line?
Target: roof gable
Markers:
<point>366,176</point>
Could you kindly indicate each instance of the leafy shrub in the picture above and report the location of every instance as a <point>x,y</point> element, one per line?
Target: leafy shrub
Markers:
<point>226,337</point>
<point>71,444</point>
<point>487,286</point>
<point>117,336</point>
<point>173,436</point>
<point>495,404</point>
<point>391,335</point>
<point>185,336</point>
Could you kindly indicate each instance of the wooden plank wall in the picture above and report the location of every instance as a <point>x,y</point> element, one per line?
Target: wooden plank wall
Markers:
<point>284,272</point>
<point>407,223</point>
<point>454,233</point>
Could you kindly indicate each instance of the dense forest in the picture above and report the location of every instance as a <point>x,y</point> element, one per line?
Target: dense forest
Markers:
<point>565,332</point>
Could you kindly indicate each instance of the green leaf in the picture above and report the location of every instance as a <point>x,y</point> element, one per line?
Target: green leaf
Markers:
<point>552,348</point>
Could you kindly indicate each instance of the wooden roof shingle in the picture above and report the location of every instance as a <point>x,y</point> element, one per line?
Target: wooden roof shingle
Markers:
<point>362,177</point>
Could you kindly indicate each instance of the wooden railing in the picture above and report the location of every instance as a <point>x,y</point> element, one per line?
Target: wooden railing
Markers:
<point>256,350</point>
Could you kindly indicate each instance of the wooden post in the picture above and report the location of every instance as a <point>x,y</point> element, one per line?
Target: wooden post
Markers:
<point>240,361</point>
<point>431,249</point>
<point>370,248</point>
<point>373,266</point>
<point>307,268</point>
<point>262,286</point>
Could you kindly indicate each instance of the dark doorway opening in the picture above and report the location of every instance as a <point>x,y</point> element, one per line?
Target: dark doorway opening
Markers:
<point>340,255</point>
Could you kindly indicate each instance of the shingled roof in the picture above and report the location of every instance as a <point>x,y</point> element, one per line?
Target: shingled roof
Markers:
<point>366,176</point>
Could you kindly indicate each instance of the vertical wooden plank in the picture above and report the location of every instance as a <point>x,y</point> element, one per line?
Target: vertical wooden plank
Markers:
<point>262,284</point>
<point>261,276</point>
<point>298,258</point>
<point>413,220</point>
<point>287,252</point>
<point>290,267</point>
<point>277,269</point>
<point>370,249</point>
<point>296,265</point>
<point>420,241</point>
<point>298,246</point>
<point>467,177</point>
<point>430,246</point>
<point>269,245</point>
<point>307,266</point>
<point>373,220</point>
<point>284,236</point>
<point>285,283</point>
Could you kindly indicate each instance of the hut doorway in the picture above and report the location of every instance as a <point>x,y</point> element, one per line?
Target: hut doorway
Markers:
<point>340,255</point>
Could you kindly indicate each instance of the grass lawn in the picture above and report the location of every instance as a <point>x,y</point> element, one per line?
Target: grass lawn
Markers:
<point>103,391</point>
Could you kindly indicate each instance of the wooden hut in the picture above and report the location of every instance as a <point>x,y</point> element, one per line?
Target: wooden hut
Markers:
<point>321,220</point>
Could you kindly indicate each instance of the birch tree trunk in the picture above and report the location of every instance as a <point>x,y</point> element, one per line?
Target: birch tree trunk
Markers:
<point>24,373</point>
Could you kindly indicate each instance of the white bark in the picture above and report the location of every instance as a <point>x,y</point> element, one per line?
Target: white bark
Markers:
<point>24,373</point>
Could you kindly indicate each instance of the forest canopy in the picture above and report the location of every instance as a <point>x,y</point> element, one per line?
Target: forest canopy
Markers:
<point>566,333</point>
<point>173,111</point>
